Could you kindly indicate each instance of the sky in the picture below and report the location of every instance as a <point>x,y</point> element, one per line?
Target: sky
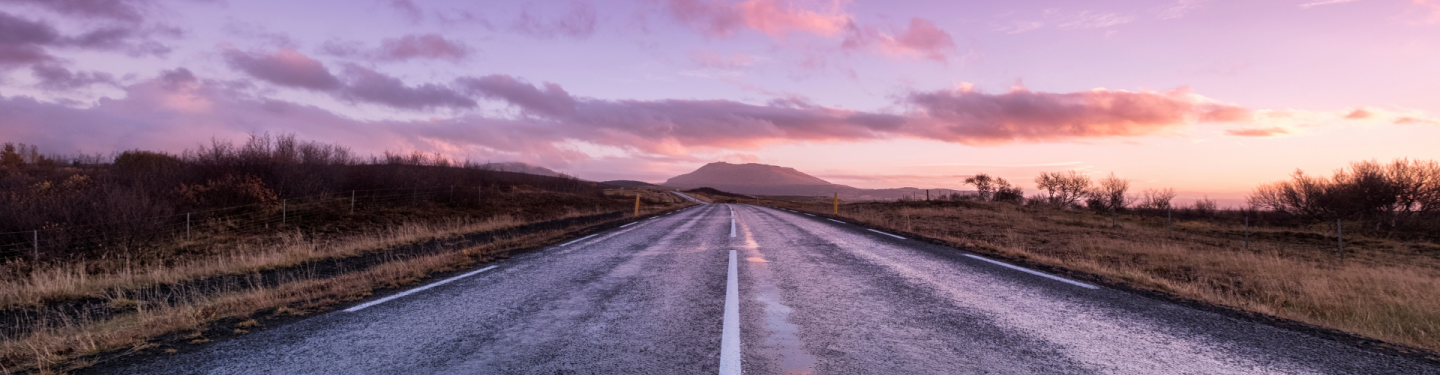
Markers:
<point>1210,97</point>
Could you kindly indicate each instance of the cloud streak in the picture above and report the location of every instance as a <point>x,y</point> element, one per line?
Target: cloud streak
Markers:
<point>550,123</point>
<point>718,18</point>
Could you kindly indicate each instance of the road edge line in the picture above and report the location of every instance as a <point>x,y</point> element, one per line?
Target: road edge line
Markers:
<point>413,291</point>
<point>1033,272</point>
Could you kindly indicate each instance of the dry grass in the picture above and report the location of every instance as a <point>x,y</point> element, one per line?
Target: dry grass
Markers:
<point>59,348</point>
<point>1384,289</point>
<point>93,278</point>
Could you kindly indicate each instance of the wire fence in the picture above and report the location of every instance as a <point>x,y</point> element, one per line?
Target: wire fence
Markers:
<point>298,212</point>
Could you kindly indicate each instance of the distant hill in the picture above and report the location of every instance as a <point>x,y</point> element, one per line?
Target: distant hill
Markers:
<point>763,179</point>
<point>633,184</point>
<point>518,167</point>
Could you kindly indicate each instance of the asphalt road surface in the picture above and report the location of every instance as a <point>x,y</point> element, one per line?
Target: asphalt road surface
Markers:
<point>732,289</point>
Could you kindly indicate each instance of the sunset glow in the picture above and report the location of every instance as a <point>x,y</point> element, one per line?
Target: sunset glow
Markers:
<point>1211,97</point>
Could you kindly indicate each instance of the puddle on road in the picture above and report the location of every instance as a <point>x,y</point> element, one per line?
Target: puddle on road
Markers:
<point>782,343</point>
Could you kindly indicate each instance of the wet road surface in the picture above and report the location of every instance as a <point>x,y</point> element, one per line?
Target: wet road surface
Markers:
<point>735,289</point>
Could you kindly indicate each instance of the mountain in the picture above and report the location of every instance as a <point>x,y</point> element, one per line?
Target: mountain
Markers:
<point>633,184</point>
<point>763,179</point>
<point>518,167</point>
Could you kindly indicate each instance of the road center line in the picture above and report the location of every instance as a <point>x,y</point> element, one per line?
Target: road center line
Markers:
<point>838,221</point>
<point>732,227</point>
<point>887,234</point>
<point>626,225</point>
<point>730,331</point>
<point>1036,273</point>
<point>810,215</point>
<point>412,291</point>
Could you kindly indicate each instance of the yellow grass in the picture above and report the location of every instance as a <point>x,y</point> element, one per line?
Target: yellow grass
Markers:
<point>1383,289</point>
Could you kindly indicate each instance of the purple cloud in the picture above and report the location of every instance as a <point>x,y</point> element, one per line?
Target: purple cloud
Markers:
<point>371,86</point>
<point>54,77</point>
<point>121,10</point>
<point>285,67</point>
<point>408,47</point>
<point>551,101</point>
<point>22,40</point>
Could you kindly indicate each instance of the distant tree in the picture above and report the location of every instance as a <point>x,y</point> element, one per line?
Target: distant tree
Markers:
<point>1063,188</point>
<point>9,158</point>
<point>990,188</point>
<point>984,185</point>
<point>1109,194</point>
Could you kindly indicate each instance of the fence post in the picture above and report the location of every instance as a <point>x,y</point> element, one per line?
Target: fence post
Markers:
<point>284,211</point>
<point>1247,232</point>
<point>1169,221</point>
<point>187,225</point>
<point>352,201</point>
<point>35,244</point>
<point>1340,238</point>
<point>452,193</point>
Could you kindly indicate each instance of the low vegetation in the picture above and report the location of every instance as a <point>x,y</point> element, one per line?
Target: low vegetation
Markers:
<point>1281,257</point>
<point>145,249</point>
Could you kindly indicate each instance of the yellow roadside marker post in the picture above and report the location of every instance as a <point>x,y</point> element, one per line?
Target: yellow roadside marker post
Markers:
<point>637,204</point>
<point>837,203</point>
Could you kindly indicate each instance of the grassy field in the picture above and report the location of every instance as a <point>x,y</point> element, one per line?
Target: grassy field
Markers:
<point>1383,289</point>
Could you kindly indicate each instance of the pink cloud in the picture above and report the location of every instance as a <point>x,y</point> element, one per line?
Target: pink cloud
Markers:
<point>718,18</point>
<point>970,117</point>
<point>1358,114</point>
<point>921,38</point>
<point>1415,120</point>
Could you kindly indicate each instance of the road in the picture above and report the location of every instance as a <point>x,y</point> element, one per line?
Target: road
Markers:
<point>733,289</point>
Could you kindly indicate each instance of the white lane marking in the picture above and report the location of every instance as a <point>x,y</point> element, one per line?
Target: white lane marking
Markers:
<point>810,215</point>
<point>838,221</point>
<point>887,234</point>
<point>581,239</point>
<point>626,225</point>
<point>412,291</point>
<point>730,331</point>
<point>732,227</point>
<point>1036,273</point>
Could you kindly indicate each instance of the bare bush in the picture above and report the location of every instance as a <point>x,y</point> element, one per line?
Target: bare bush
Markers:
<point>1205,207</point>
<point>1155,199</point>
<point>1402,191</point>
<point>1063,188</point>
<point>1109,194</point>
